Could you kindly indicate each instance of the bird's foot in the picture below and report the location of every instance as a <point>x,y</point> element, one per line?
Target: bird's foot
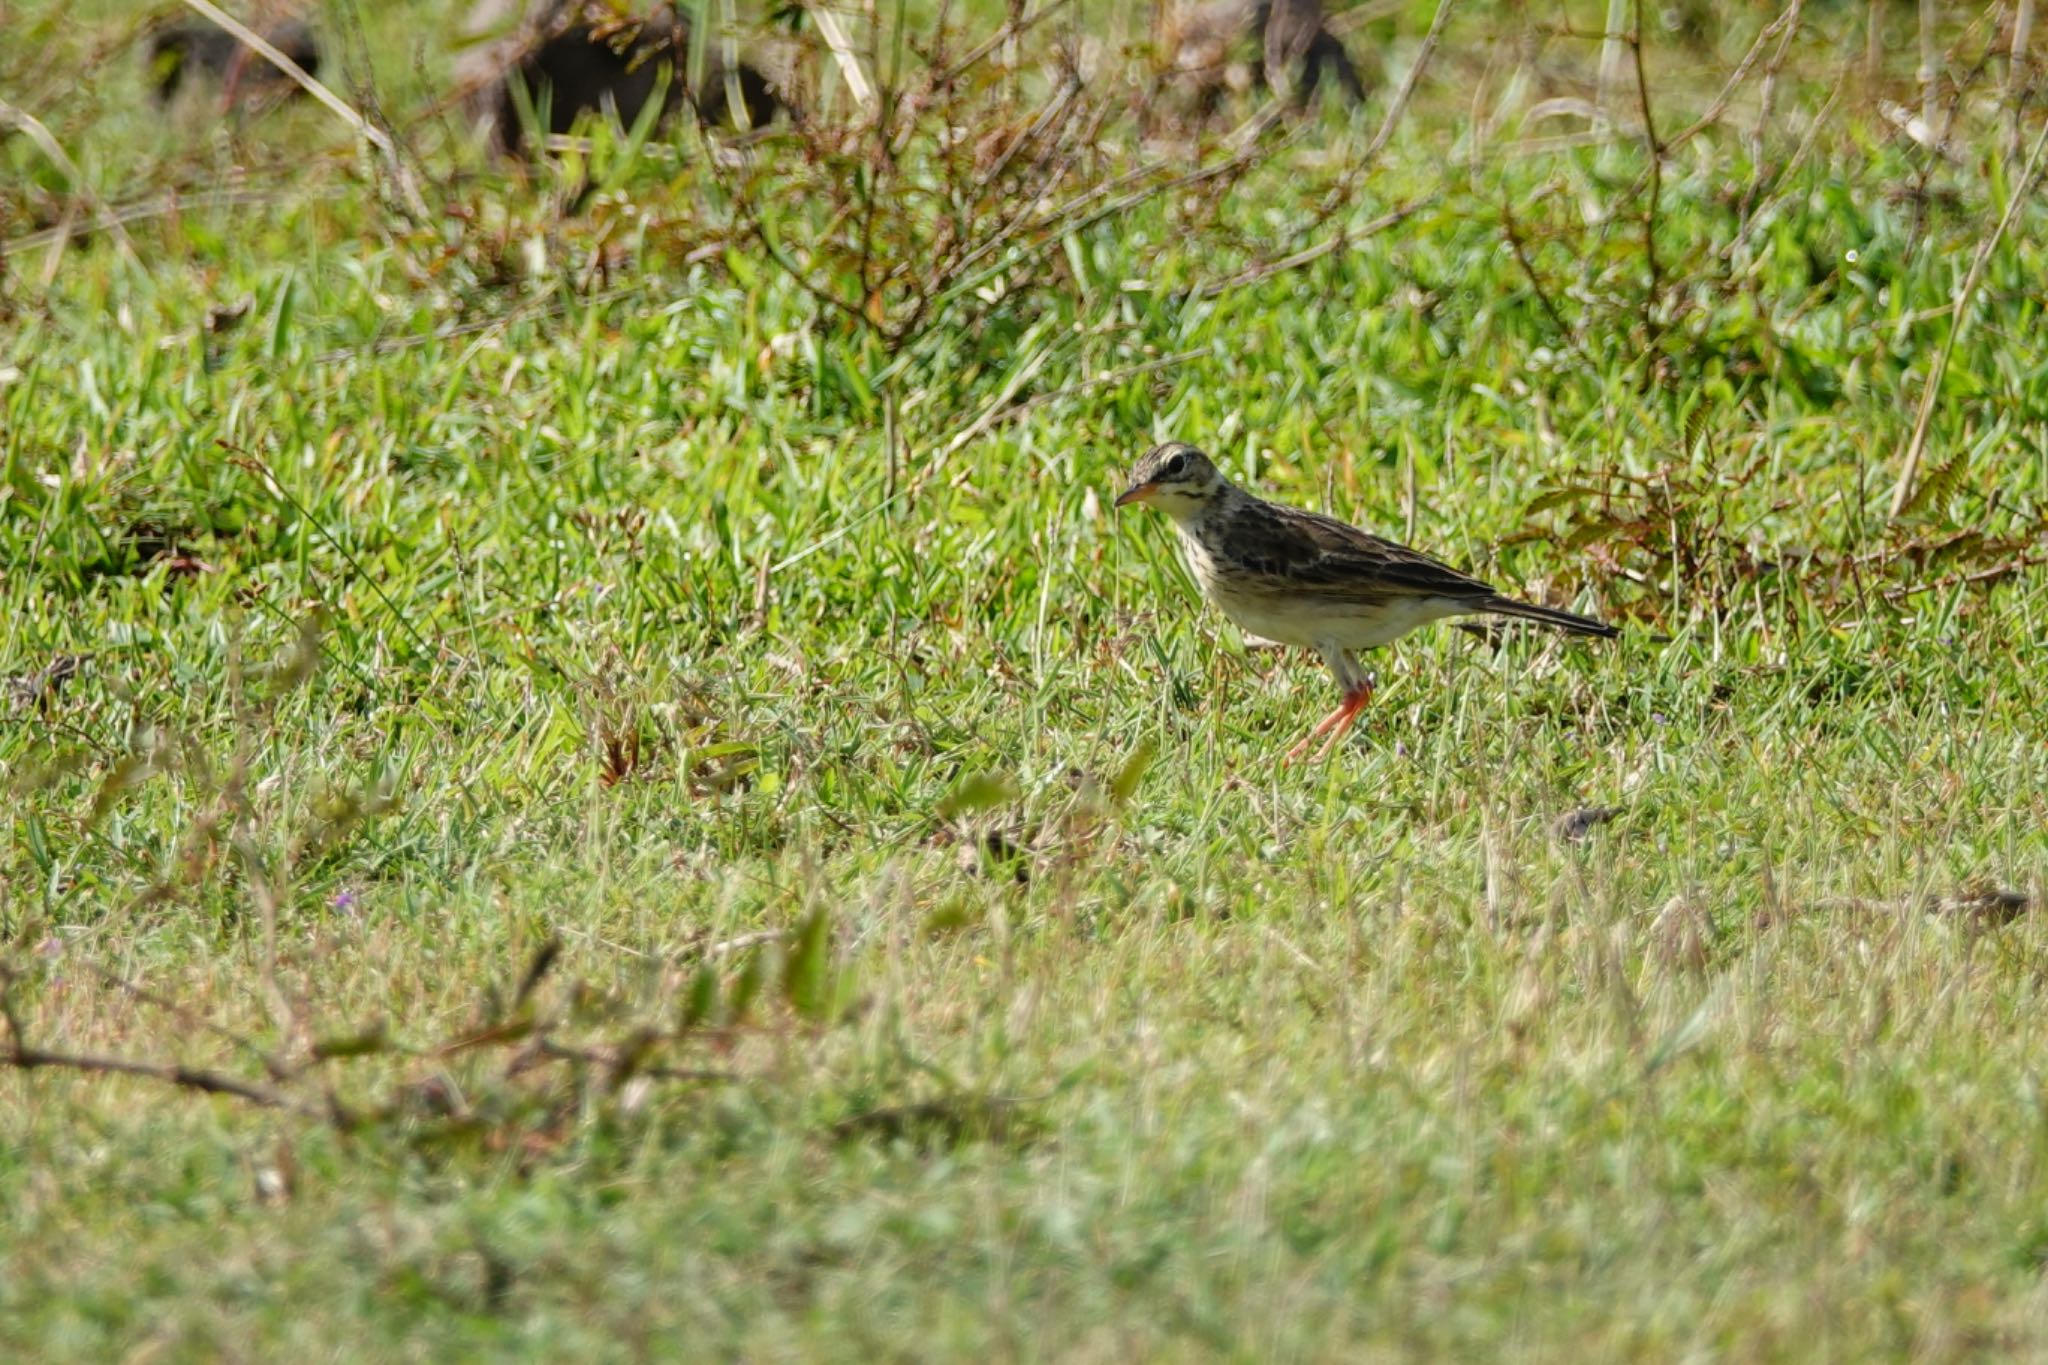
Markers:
<point>1334,725</point>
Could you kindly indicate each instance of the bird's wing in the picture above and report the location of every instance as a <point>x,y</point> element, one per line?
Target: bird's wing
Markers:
<point>1321,556</point>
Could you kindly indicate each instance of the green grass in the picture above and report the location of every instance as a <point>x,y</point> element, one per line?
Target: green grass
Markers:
<point>1084,1056</point>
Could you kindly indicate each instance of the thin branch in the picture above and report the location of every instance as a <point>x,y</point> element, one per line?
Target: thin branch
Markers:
<point>1767,93</point>
<point>2019,68</point>
<point>532,308</point>
<point>1108,377</point>
<point>1408,83</point>
<point>835,37</point>
<point>1012,28</point>
<point>22,1057</point>
<point>1656,151</point>
<point>254,465</point>
<point>47,143</point>
<point>1930,61</point>
<point>735,944</point>
<point>611,1058</point>
<point>1752,214</point>
<point>190,1018</point>
<point>114,217</point>
<point>1916,445</point>
<point>1023,375</point>
<point>1713,112</point>
<point>1958,580</point>
<point>1342,241</point>
<point>300,77</point>
<point>1063,222</point>
<point>1550,308</point>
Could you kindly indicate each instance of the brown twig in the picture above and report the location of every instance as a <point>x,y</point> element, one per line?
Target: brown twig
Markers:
<point>1341,241</point>
<point>163,205</point>
<point>629,1059</point>
<point>401,175</point>
<point>47,143</point>
<point>1767,92</point>
<point>1719,105</point>
<point>2019,69</point>
<point>1550,309</point>
<point>1012,28</point>
<point>22,1057</point>
<point>190,1019</point>
<point>1116,376</point>
<point>1798,158</point>
<point>1958,580</point>
<point>1408,84</point>
<point>1916,444</point>
<point>532,308</point>
<point>544,960</point>
<point>732,945</point>
<point>1656,171</point>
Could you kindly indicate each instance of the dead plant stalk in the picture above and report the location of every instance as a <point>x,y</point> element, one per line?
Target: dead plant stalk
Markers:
<point>1916,444</point>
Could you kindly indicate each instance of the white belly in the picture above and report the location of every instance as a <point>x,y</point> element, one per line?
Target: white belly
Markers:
<point>1319,625</point>
<point>1311,622</point>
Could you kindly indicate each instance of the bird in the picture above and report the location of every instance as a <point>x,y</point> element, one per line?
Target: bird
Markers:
<point>1300,578</point>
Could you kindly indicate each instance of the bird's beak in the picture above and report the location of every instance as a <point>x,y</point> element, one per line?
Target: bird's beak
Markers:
<point>1137,492</point>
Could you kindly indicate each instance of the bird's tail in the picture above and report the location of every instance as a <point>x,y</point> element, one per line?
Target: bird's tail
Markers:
<point>1569,622</point>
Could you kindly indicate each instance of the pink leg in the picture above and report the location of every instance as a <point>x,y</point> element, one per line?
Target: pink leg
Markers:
<point>1346,718</point>
<point>1335,724</point>
<point>1322,728</point>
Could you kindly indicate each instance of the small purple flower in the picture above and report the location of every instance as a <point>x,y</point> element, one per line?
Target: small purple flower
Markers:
<point>344,902</point>
<point>1657,718</point>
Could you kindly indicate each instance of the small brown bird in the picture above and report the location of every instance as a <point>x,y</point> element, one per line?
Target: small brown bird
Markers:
<point>1297,578</point>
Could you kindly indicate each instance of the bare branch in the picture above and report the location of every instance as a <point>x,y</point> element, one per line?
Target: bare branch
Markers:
<point>857,82</point>
<point>300,77</point>
<point>46,142</point>
<point>1408,84</point>
<point>1916,445</point>
<point>1342,241</point>
<point>22,1057</point>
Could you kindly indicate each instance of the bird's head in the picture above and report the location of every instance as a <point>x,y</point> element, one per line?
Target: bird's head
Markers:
<point>1177,479</point>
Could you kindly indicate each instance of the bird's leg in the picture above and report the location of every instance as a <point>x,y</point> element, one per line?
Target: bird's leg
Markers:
<point>1336,723</point>
<point>1322,728</point>
<point>1345,717</point>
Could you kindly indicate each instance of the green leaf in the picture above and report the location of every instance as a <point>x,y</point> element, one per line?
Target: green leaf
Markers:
<point>807,976</point>
<point>1939,485</point>
<point>281,321</point>
<point>129,770</point>
<point>1695,426</point>
<point>748,984</point>
<point>1125,784</point>
<point>362,1043</point>
<point>1597,529</point>
<point>39,842</point>
<point>702,1002</point>
<point>979,791</point>
<point>643,127</point>
<point>1559,497</point>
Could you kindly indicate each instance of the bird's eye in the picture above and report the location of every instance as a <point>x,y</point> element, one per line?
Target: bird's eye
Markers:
<point>1175,467</point>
